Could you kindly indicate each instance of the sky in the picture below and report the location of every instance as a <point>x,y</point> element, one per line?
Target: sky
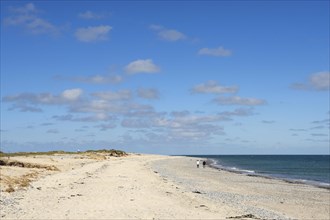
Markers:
<point>166,77</point>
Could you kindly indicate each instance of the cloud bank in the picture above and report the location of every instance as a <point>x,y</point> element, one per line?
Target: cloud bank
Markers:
<point>236,100</point>
<point>93,33</point>
<point>28,17</point>
<point>214,88</point>
<point>148,93</point>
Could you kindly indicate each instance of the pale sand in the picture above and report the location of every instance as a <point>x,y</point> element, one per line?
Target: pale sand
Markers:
<point>153,186</point>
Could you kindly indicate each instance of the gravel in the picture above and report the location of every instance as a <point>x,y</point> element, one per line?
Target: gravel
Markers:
<point>182,172</point>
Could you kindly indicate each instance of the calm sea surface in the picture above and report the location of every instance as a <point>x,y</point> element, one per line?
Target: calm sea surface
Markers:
<point>310,169</point>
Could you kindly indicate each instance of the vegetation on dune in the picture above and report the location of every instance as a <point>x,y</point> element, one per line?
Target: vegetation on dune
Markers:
<point>18,182</point>
<point>22,181</point>
<point>27,165</point>
<point>112,152</point>
<point>16,154</point>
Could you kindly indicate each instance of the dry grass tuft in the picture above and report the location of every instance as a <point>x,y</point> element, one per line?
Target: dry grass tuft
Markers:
<point>18,182</point>
<point>96,156</point>
<point>10,189</point>
<point>27,165</point>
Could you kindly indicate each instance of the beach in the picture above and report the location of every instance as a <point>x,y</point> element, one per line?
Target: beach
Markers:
<point>141,186</point>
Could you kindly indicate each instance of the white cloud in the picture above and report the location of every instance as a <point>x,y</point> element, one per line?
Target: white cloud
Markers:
<point>88,15</point>
<point>28,101</point>
<point>93,79</point>
<point>72,94</point>
<point>213,87</point>
<point>181,126</point>
<point>141,66</point>
<point>168,34</point>
<point>119,106</point>
<point>236,100</point>
<point>39,26</point>
<point>189,127</point>
<point>28,18</point>
<point>91,34</point>
<point>156,27</point>
<point>238,112</point>
<point>147,112</point>
<point>92,118</point>
<point>148,93</point>
<point>99,79</point>
<point>198,132</point>
<point>171,35</point>
<point>118,103</point>
<point>320,81</point>
<point>120,95</point>
<point>24,107</point>
<point>118,109</point>
<point>135,123</point>
<point>28,8</point>
<point>188,119</point>
<point>317,81</point>
<point>220,52</point>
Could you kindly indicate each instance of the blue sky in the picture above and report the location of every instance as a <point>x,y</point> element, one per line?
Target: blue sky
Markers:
<point>176,77</point>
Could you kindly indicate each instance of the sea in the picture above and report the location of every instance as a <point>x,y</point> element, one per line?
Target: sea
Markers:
<point>306,169</point>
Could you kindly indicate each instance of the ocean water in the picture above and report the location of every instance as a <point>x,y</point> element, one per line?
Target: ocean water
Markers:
<point>309,169</point>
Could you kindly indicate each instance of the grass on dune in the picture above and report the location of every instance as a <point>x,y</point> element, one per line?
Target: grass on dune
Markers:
<point>111,152</point>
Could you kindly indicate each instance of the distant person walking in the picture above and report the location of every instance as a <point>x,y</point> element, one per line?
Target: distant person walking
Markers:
<point>204,163</point>
<point>197,163</point>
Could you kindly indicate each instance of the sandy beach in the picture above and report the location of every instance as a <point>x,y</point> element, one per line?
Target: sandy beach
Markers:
<point>76,186</point>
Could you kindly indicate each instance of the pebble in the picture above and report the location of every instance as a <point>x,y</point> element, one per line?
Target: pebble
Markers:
<point>231,199</point>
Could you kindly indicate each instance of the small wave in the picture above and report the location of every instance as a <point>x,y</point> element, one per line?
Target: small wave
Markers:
<point>235,169</point>
<point>248,171</point>
<point>308,182</point>
<point>212,163</point>
<point>215,164</point>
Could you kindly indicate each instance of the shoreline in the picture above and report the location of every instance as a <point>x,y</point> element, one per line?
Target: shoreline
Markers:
<point>141,186</point>
<point>314,183</point>
<point>213,164</point>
